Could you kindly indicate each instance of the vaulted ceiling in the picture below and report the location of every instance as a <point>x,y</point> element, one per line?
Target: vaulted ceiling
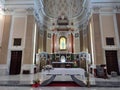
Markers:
<point>75,10</point>
<point>69,8</point>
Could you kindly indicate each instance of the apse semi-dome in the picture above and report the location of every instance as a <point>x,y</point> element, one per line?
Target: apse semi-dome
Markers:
<point>70,8</point>
<point>50,10</point>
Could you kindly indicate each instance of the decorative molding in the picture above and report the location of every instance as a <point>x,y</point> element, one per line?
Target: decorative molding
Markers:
<point>96,9</point>
<point>117,8</point>
<point>12,11</point>
<point>97,6</point>
<point>110,48</point>
<point>30,10</point>
<point>17,6</point>
<point>8,10</point>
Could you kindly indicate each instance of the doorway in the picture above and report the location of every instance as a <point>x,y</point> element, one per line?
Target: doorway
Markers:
<point>111,61</point>
<point>15,64</point>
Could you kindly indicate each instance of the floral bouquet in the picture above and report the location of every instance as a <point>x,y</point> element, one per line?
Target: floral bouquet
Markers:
<point>36,83</point>
<point>48,67</point>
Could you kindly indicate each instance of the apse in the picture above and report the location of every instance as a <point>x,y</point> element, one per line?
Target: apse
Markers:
<point>77,11</point>
<point>70,8</point>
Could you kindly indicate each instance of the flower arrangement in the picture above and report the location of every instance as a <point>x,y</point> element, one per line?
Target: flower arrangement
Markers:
<point>48,67</point>
<point>36,83</point>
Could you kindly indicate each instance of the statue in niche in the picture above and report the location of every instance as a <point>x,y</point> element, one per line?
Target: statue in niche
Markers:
<point>63,59</point>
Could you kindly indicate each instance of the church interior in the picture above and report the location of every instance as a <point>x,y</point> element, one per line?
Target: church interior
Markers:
<point>60,37</point>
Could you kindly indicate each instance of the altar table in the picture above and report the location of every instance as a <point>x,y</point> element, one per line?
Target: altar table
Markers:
<point>65,71</point>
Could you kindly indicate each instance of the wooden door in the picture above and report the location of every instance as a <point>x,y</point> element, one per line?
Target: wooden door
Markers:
<point>15,64</point>
<point>111,61</point>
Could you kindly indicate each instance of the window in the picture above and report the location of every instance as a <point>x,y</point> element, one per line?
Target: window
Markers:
<point>110,41</point>
<point>63,43</point>
<point>17,41</point>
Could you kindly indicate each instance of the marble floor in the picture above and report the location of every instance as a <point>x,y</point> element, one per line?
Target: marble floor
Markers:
<point>28,79</point>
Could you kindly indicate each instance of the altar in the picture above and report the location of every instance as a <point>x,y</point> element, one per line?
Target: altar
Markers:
<point>65,72</point>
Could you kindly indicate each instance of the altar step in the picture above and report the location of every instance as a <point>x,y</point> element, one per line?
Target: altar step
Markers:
<point>107,84</point>
<point>29,84</point>
<point>16,83</point>
<point>74,81</point>
<point>63,84</point>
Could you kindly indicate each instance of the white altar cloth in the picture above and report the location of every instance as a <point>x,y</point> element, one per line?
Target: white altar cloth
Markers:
<point>65,71</point>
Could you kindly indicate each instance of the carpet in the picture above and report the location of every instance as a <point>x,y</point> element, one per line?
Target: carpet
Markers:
<point>63,83</point>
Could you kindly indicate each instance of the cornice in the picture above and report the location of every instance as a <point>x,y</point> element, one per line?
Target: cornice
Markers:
<point>12,11</point>
<point>11,2</point>
<point>17,6</point>
<point>96,7</point>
